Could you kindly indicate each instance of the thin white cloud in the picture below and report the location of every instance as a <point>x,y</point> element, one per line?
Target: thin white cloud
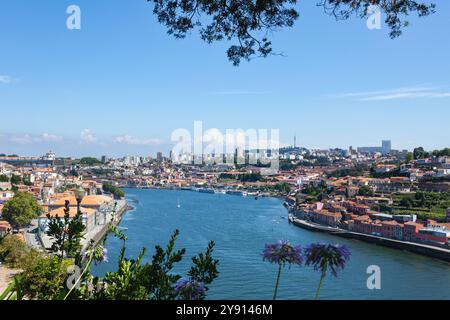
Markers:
<point>130,140</point>
<point>51,137</point>
<point>383,92</point>
<point>400,93</point>
<point>87,136</point>
<point>21,139</point>
<point>5,79</point>
<point>28,138</point>
<point>442,95</point>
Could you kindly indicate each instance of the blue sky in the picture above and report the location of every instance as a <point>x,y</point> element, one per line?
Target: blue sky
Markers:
<point>121,85</point>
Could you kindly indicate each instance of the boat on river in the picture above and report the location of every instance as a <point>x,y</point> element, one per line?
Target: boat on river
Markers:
<point>206,190</point>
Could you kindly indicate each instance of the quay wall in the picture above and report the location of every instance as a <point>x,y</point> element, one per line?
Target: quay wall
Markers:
<point>122,208</point>
<point>438,253</point>
<point>422,249</point>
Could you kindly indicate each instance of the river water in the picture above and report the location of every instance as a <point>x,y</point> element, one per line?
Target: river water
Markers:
<point>241,226</point>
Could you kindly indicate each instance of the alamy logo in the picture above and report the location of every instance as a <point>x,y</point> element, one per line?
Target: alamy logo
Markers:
<point>374,17</point>
<point>374,280</point>
<point>73,22</point>
<point>235,146</point>
<point>72,281</point>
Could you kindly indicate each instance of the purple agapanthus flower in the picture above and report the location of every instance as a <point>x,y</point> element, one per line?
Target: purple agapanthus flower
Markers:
<point>283,253</point>
<point>327,256</point>
<point>99,254</point>
<point>189,289</point>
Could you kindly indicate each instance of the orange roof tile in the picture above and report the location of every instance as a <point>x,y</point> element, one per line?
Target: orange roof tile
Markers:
<point>96,200</point>
<point>72,213</point>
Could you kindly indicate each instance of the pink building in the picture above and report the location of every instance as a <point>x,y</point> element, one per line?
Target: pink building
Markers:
<point>389,229</point>
<point>410,230</point>
<point>327,218</point>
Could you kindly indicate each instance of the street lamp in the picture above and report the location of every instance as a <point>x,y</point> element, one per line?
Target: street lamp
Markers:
<point>79,195</point>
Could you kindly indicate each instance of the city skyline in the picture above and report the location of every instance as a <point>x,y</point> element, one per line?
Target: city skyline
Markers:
<point>384,148</point>
<point>123,88</point>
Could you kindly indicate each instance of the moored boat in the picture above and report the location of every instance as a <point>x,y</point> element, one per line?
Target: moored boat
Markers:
<point>206,190</point>
<point>234,192</point>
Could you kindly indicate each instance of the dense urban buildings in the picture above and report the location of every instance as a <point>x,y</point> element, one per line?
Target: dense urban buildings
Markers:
<point>374,190</point>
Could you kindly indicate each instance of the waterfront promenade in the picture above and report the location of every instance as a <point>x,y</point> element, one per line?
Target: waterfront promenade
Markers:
<point>419,248</point>
<point>100,231</point>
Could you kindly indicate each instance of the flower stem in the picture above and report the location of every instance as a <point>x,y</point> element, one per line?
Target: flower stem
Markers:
<point>277,283</point>
<point>320,285</point>
<point>81,276</point>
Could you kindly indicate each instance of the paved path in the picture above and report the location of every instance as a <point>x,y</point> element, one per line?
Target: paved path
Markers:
<point>6,276</point>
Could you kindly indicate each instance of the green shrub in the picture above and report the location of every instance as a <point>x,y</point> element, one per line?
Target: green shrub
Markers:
<point>15,253</point>
<point>44,279</point>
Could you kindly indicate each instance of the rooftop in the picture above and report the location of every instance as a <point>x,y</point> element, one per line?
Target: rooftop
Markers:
<point>96,200</point>
<point>72,212</point>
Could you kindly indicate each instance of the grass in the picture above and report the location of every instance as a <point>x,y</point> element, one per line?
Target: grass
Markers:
<point>439,202</point>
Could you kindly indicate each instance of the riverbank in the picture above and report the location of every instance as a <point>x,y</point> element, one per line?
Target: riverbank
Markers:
<point>250,192</point>
<point>418,248</point>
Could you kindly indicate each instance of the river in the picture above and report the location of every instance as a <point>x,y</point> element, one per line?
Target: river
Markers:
<point>241,226</point>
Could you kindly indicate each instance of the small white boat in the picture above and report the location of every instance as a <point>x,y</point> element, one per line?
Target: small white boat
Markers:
<point>178,204</point>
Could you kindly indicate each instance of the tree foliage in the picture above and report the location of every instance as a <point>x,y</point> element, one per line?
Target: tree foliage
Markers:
<point>356,171</point>
<point>89,161</point>
<point>204,267</point>
<point>15,253</point>
<point>161,279</point>
<point>442,153</point>
<point>15,179</point>
<point>366,191</point>
<point>66,233</point>
<point>395,11</point>
<point>409,157</point>
<point>44,278</point>
<point>250,177</point>
<point>21,209</point>
<point>282,187</point>
<point>135,280</point>
<point>313,190</point>
<point>116,191</point>
<point>420,153</point>
<point>250,22</point>
<point>128,282</point>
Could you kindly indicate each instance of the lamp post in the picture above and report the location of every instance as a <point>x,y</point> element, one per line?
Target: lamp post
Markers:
<point>113,213</point>
<point>79,195</point>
